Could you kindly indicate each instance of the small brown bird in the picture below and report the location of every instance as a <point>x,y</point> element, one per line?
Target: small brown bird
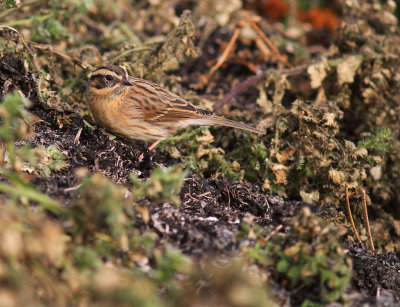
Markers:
<point>138,109</point>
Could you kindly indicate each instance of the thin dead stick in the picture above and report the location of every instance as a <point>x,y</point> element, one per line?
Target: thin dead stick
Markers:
<point>280,57</point>
<point>77,136</point>
<point>275,50</point>
<point>240,88</point>
<point>350,215</point>
<point>224,54</point>
<point>254,80</point>
<point>364,202</point>
<point>272,233</point>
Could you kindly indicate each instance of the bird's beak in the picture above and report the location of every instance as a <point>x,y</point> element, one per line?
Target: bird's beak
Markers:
<point>126,82</point>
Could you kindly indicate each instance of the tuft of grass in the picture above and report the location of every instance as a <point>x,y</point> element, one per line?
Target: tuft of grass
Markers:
<point>170,261</point>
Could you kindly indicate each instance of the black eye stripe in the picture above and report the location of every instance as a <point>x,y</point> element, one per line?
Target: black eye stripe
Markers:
<point>107,77</point>
<point>96,77</point>
<point>102,81</point>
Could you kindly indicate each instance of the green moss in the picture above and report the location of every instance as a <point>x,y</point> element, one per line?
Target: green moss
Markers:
<point>162,186</point>
<point>307,256</point>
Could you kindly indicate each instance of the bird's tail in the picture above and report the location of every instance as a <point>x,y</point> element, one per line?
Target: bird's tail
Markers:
<point>217,120</point>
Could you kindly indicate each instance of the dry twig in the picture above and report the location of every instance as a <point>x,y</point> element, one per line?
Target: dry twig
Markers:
<point>364,202</point>
<point>225,54</point>
<point>49,48</point>
<point>350,215</point>
<point>272,233</point>
<point>275,50</point>
<point>254,80</point>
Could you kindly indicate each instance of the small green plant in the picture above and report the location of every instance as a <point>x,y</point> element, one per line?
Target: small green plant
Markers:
<point>14,126</point>
<point>378,142</point>
<point>251,154</point>
<point>101,213</point>
<point>51,160</point>
<point>170,261</point>
<point>308,256</point>
<point>162,186</point>
<point>86,258</point>
<point>198,152</point>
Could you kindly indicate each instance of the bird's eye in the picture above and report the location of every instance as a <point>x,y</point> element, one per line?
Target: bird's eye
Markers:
<point>109,78</point>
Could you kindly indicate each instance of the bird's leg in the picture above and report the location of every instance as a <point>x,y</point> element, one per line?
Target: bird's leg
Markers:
<point>148,149</point>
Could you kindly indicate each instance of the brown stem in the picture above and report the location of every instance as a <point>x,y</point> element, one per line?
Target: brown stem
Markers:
<point>254,80</point>
<point>350,215</point>
<point>44,47</point>
<point>275,50</point>
<point>73,60</point>
<point>364,202</point>
<point>240,88</point>
<point>224,54</point>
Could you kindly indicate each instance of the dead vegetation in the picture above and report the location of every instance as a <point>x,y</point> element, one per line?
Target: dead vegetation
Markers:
<point>202,220</point>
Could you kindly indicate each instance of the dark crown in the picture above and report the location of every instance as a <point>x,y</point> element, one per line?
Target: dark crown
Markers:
<point>114,68</point>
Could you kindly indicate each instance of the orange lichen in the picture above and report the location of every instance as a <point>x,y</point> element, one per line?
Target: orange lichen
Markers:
<point>320,18</point>
<point>275,9</point>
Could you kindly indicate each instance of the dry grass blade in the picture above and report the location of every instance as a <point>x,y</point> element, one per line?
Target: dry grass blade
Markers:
<point>253,80</point>
<point>350,215</point>
<point>225,54</point>
<point>364,203</point>
<point>275,50</point>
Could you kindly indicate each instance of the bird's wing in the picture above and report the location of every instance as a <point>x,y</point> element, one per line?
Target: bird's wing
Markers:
<point>155,103</point>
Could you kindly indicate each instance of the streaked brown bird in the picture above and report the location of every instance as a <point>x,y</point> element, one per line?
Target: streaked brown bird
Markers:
<point>137,109</point>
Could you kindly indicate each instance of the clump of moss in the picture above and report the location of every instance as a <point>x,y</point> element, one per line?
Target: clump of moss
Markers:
<point>162,186</point>
<point>233,284</point>
<point>308,257</point>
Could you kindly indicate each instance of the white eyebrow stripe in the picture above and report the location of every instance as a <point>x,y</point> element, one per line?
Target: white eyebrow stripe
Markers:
<point>106,72</point>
